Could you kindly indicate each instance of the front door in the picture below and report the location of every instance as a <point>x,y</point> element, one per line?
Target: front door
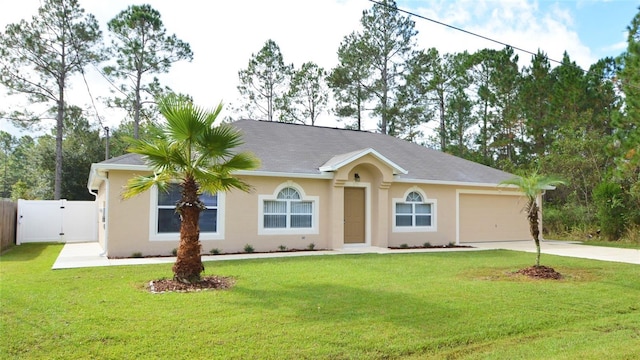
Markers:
<point>354,215</point>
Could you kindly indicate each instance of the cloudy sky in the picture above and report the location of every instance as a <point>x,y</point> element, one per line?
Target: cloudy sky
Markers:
<point>224,34</point>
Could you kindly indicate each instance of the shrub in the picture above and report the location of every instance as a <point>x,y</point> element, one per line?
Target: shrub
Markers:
<point>214,251</point>
<point>404,246</point>
<point>248,249</point>
<point>282,248</point>
<point>427,244</point>
<point>567,218</point>
<point>136,254</point>
<point>174,252</point>
<point>311,246</point>
<point>610,202</point>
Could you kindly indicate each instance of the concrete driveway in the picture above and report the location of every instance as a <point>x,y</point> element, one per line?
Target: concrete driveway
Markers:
<point>567,248</point>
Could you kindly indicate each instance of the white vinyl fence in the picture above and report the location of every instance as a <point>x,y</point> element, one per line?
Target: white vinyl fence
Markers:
<point>56,221</point>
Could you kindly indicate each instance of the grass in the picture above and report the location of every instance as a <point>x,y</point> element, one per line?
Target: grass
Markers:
<point>615,244</point>
<point>449,305</point>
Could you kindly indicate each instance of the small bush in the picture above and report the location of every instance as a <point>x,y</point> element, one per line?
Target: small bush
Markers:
<point>568,218</point>
<point>610,201</point>
<point>282,248</point>
<point>311,246</point>
<point>136,254</point>
<point>427,244</point>
<point>174,252</point>
<point>214,251</point>
<point>248,249</point>
<point>404,246</point>
<point>451,244</point>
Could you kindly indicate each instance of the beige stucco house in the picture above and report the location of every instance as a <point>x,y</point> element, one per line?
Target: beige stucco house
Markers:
<point>329,187</point>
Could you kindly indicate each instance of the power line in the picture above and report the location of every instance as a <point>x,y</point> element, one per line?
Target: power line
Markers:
<point>482,37</point>
<point>466,31</point>
<point>463,30</point>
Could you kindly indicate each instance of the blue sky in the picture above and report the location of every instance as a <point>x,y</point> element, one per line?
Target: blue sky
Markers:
<point>224,34</point>
<point>602,25</point>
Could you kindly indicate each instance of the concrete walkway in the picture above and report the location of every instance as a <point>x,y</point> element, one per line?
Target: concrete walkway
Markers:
<point>81,255</point>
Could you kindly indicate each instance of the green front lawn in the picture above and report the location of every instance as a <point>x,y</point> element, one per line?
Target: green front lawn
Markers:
<point>446,305</point>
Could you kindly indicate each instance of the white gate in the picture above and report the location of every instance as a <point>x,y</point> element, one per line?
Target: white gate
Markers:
<point>56,221</point>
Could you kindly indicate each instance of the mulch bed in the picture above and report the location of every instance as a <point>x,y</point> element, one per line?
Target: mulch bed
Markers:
<point>429,247</point>
<point>207,283</point>
<point>540,272</point>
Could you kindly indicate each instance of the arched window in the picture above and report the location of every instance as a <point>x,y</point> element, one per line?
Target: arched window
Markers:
<point>288,211</point>
<point>413,212</point>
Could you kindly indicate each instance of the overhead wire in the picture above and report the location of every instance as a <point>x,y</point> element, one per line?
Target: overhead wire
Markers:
<point>463,30</point>
<point>410,13</point>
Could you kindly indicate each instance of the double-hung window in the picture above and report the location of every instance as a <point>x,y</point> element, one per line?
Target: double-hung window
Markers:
<point>288,211</point>
<point>167,220</point>
<point>414,212</point>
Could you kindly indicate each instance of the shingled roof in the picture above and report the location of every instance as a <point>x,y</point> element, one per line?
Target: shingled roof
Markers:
<point>302,149</point>
<point>292,148</point>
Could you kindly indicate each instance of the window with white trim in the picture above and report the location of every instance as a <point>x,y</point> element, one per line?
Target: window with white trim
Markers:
<point>414,213</point>
<point>288,211</point>
<point>168,220</point>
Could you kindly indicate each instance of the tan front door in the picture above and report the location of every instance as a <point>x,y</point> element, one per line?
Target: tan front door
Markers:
<point>354,218</point>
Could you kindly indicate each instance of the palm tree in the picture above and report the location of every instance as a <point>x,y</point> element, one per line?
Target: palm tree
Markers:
<point>532,186</point>
<point>199,157</point>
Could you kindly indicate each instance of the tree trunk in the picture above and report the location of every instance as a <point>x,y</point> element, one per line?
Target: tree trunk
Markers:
<point>534,228</point>
<point>188,265</point>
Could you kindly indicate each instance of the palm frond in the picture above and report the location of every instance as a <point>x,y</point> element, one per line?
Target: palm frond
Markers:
<point>534,184</point>
<point>219,141</point>
<point>141,183</point>
<point>192,148</point>
<point>242,161</point>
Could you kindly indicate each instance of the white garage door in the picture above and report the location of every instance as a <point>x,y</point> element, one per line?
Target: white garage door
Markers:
<point>492,217</point>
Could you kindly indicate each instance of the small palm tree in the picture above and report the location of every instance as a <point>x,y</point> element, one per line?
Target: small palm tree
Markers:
<point>199,157</point>
<point>532,186</point>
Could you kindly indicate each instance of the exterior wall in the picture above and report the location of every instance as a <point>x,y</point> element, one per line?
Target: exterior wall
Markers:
<point>128,224</point>
<point>127,221</point>
<point>444,222</point>
<point>484,214</point>
<point>242,217</point>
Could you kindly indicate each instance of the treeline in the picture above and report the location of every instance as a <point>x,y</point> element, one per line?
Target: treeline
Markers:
<point>580,124</point>
<point>556,118</point>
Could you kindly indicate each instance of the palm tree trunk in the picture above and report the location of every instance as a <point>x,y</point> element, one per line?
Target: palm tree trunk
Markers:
<point>534,228</point>
<point>188,265</point>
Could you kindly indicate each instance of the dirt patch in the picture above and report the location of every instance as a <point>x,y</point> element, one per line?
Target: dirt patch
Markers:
<point>540,272</point>
<point>449,246</point>
<point>207,283</point>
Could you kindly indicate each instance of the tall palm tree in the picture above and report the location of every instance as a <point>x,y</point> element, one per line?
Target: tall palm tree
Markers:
<point>199,157</point>
<point>532,186</point>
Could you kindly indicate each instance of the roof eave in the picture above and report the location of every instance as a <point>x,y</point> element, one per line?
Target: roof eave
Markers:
<point>99,170</point>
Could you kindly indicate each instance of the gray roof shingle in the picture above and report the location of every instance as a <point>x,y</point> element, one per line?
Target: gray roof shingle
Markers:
<point>292,148</point>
